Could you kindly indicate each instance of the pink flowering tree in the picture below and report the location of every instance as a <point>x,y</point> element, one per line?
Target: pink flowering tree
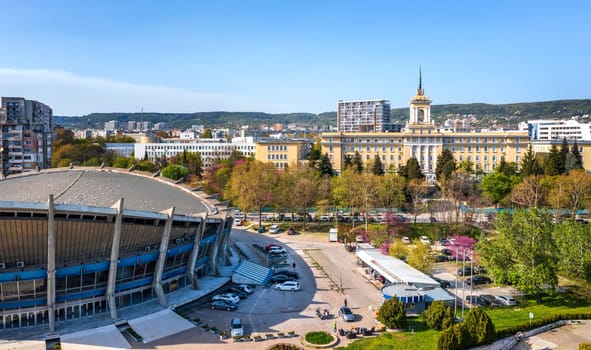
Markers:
<point>461,247</point>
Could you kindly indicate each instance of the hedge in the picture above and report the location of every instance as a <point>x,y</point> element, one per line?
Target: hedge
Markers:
<point>526,326</point>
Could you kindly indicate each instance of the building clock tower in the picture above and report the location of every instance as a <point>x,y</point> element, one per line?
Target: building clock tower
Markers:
<point>420,106</point>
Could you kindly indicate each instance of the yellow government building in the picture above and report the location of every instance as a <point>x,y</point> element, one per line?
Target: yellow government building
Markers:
<point>422,139</point>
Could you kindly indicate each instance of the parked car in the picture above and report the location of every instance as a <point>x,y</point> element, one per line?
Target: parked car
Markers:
<point>237,222</point>
<point>222,305</point>
<point>289,285</point>
<point>474,280</point>
<point>441,258</point>
<point>405,240</point>
<point>446,251</point>
<point>490,300</point>
<point>276,250</point>
<point>291,274</point>
<point>272,246</point>
<point>291,231</point>
<point>442,283</point>
<point>239,292</point>
<point>245,288</point>
<point>229,297</point>
<point>346,314</point>
<point>476,300</point>
<point>465,271</point>
<point>444,242</point>
<point>479,269</point>
<point>506,300</point>
<point>280,279</point>
<point>274,229</point>
<point>424,239</point>
<point>237,329</point>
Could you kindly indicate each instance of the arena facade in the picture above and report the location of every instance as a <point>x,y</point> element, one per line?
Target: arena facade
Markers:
<point>79,242</point>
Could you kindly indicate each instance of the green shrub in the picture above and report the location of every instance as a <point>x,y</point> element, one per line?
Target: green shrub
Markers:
<point>319,338</point>
<point>393,314</point>
<point>585,346</point>
<point>439,316</point>
<point>480,328</point>
<point>453,338</point>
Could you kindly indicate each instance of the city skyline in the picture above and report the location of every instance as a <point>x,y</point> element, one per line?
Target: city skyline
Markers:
<point>287,57</point>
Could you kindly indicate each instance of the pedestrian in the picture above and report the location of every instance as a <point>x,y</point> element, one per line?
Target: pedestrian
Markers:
<point>293,265</point>
<point>345,302</point>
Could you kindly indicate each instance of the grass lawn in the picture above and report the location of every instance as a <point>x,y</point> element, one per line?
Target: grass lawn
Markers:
<point>503,318</point>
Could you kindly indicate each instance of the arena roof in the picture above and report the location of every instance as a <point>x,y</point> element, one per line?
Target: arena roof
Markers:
<point>101,188</point>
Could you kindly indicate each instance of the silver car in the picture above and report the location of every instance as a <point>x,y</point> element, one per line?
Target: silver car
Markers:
<point>346,314</point>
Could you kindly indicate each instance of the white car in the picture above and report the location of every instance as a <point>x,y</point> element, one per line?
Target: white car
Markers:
<point>289,285</point>
<point>276,250</point>
<point>506,300</point>
<point>424,239</point>
<point>274,229</point>
<point>245,288</point>
<point>237,222</point>
<point>405,240</point>
<point>237,328</point>
<point>229,297</point>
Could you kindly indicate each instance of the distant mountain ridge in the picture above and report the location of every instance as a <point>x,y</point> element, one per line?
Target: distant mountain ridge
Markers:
<point>485,114</point>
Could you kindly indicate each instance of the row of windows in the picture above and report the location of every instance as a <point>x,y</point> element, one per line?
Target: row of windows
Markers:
<point>276,148</point>
<point>276,156</point>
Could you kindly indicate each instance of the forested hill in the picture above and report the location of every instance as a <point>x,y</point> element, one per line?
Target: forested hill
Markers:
<point>486,114</point>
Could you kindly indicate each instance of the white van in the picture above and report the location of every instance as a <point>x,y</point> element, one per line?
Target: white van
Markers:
<point>237,328</point>
<point>333,235</point>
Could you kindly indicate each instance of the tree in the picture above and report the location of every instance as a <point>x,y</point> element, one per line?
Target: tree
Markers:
<point>416,190</point>
<point>398,249</point>
<point>496,186</point>
<point>175,172</point>
<point>207,134</point>
<point>459,186</point>
<point>347,161</point>
<point>392,191</point>
<point>252,185</point>
<point>530,164</point>
<point>524,252</point>
<point>466,165</point>
<point>507,168</point>
<point>377,166</point>
<point>574,249</point>
<point>480,328</point>
<point>564,150</point>
<point>530,192</point>
<point>325,167</point>
<point>420,258</point>
<point>305,190</point>
<point>439,316</point>
<point>413,170</point>
<point>578,159</point>
<point>393,314</point>
<point>441,167</point>
<point>453,338</point>
<point>357,163</point>
<point>552,163</point>
<point>577,186</point>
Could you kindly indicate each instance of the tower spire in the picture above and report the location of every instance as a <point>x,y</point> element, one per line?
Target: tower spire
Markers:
<point>420,79</point>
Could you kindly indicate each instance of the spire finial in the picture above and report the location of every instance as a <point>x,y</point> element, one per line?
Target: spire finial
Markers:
<point>420,78</point>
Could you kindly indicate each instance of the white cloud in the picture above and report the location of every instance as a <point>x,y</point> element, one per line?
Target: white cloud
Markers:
<point>70,94</point>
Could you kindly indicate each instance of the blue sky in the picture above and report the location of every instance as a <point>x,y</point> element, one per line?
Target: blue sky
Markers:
<point>90,56</point>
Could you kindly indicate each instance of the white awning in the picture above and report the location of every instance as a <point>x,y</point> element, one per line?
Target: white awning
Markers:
<point>107,337</point>
<point>159,325</point>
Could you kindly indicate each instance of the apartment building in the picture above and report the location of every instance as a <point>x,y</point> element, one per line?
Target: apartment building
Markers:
<point>425,141</point>
<point>363,116</point>
<point>26,135</point>
<point>547,130</point>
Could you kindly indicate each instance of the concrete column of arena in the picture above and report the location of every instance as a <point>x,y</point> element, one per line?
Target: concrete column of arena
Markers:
<point>195,252</point>
<point>157,284</point>
<point>110,293</point>
<point>216,246</point>
<point>51,264</point>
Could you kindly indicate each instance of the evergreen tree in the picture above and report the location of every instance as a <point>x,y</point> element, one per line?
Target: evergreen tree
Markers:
<point>552,163</point>
<point>393,314</point>
<point>577,155</point>
<point>530,164</point>
<point>347,161</point>
<point>439,316</point>
<point>378,166</point>
<point>442,168</point>
<point>357,163</point>
<point>480,328</point>
<point>413,170</point>
<point>563,153</point>
<point>325,167</point>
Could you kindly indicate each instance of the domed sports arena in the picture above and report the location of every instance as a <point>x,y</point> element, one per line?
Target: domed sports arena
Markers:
<point>79,242</point>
